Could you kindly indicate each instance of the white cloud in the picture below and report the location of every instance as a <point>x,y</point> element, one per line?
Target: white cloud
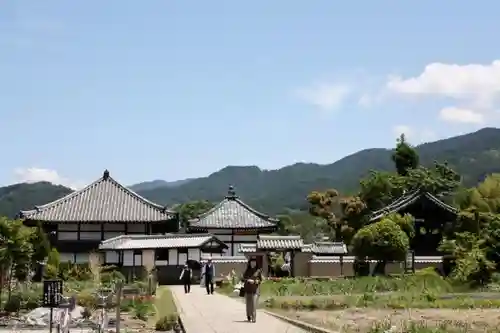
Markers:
<point>474,82</point>
<point>325,96</point>
<point>33,175</point>
<point>459,115</point>
<point>475,88</point>
<point>415,136</point>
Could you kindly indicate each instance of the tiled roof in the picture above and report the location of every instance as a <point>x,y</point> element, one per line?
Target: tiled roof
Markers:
<point>409,199</point>
<point>105,200</point>
<point>279,242</point>
<point>323,247</point>
<point>135,242</point>
<point>351,259</point>
<point>248,247</point>
<point>232,213</point>
<point>225,259</point>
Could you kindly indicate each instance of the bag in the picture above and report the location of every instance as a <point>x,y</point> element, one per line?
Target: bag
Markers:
<point>242,290</point>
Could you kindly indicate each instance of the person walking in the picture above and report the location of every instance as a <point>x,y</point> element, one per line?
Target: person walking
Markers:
<point>208,275</point>
<point>252,277</point>
<point>186,276</point>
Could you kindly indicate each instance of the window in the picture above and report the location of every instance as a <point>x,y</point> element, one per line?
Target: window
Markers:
<point>161,254</point>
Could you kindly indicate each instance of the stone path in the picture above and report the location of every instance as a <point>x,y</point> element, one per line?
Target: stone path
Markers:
<point>221,314</point>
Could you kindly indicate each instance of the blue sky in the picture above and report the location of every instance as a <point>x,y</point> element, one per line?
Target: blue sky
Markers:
<point>176,89</point>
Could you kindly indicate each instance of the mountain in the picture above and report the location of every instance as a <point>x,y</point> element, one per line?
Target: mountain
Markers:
<point>473,155</point>
<point>155,184</point>
<point>14,198</point>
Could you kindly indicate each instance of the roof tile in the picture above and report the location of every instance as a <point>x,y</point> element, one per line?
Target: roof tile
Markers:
<point>279,242</point>
<point>133,242</point>
<point>105,200</point>
<point>232,213</point>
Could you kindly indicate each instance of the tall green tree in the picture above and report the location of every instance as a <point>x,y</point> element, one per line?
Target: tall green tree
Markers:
<point>324,205</point>
<point>405,157</point>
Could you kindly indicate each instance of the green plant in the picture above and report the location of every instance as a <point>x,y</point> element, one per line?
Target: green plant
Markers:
<point>87,300</point>
<point>86,313</point>
<point>14,303</point>
<point>167,323</point>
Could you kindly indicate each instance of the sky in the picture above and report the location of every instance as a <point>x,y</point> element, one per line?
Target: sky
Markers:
<point>173,89</point>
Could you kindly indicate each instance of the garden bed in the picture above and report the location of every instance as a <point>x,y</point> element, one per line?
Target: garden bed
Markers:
<point>402,320</point>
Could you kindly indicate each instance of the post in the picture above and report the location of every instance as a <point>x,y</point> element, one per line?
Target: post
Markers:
<point>50,319</point>
<point>118,293</point>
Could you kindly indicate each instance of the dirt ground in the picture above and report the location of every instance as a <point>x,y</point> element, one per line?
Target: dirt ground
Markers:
<point>361,320</point>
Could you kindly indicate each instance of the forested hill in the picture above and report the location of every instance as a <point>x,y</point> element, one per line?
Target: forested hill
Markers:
<point>472,155</point>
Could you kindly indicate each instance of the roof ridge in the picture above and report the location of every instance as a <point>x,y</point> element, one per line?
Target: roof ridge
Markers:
<point>101,181</point>
<point>136,195</point>
<point>440,202</point>
<point>280,236</point>
<point>253,210</point>
<point>64,198</point>
<point>208,212</point>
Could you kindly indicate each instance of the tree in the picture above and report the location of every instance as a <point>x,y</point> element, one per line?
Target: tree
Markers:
<point>437,180</point>
<point>192,209</point>
<point>41,245</point>
<point>405,222</point>
<point>354,216</point>
<point>304,224</point>
<point>379,189</point>
<point>324,205</point>
<point>15,250</point>
<point>405,157</point>
<point>53,263</point>
<point>382,241</point>
<point>470,256</point>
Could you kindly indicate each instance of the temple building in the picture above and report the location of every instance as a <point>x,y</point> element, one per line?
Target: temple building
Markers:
<point>165,253</point>
<point>432,217</point>
<point>77,223</point>
<point>234,222</point>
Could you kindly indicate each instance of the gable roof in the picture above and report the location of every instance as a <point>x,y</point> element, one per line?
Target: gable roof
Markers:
<point>409,199</point>
<point>267,242</point>
<point>232,213</point>
<point>168,241</point>
<point>105,200</point>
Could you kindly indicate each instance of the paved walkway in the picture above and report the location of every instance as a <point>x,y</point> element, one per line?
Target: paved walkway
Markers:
<point>221,314</point>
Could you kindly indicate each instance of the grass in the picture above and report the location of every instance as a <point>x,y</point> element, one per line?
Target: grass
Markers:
<point>385,301</point>
<point>345,286</point>
<point>164,304</point>
<point>167,317</point>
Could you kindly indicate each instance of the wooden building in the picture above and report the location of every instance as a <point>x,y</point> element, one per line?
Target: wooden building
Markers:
<point>77,223</point>
<point>432,217</point>
<point>168,253</point>
<point>234,222</point>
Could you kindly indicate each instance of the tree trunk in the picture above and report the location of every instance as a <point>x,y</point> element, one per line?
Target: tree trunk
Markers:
<point>379,268</point>
<point>9,289</point>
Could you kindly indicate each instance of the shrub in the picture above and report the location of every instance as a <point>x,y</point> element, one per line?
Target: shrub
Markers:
<point>87,300</point>
<point>167,323</point>
<point>142,308</point>
<point>31,299</point>
<point>50,272</point>
<point>14,303</point>
<point>110,277</point>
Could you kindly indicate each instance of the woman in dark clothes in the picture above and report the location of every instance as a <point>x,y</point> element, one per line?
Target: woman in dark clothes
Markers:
<point>252,279</point>
<point>186,277</point>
